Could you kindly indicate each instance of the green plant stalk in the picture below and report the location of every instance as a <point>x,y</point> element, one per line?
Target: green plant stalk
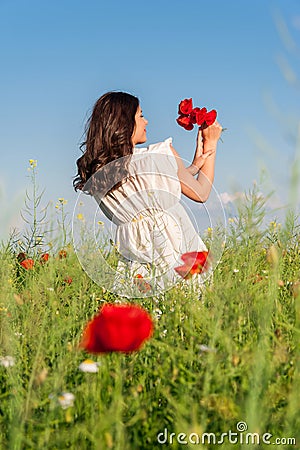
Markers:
<point>119,425</point>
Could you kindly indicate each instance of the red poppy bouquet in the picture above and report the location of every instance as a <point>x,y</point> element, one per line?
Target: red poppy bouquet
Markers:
<point>189,116</point>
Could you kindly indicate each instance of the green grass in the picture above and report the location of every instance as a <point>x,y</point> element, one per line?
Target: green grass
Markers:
<point>230,356</point>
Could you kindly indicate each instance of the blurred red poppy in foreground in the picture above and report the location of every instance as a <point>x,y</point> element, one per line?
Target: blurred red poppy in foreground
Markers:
<point>117,328</point>
<point>194,263</point>
<point>27,264</point>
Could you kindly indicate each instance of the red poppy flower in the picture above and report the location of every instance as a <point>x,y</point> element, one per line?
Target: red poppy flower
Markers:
<point>142,285</point>
<point>44,257</point>
<point>21,256</point>
<point>185,106</point>
<point>27,264</point>
<point>68,280</point>
<point>192,258</point>
<point>210,117</point>
<point>117,328</point>
<point>184,271</point>
<point>194,263</point>
<point>62,254</point>
<point>198,115</point>
<point>185,122</point>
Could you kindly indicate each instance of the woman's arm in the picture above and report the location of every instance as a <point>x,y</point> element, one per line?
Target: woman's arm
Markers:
<point>200,156</point>
<point>204,158</point>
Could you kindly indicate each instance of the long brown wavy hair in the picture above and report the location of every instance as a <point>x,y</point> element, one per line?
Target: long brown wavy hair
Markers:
<point>108,137</point>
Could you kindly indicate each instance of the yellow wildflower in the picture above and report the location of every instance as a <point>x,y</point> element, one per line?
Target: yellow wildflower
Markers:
<point>209,231</point>
<point>274,225</point>
<point>33,163</point>
<point>80,216</point>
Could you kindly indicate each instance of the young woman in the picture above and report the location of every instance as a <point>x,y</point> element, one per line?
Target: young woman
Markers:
<point>139,189</point>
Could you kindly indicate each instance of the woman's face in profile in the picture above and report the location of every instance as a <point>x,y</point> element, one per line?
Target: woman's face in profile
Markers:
<point>139,134</point>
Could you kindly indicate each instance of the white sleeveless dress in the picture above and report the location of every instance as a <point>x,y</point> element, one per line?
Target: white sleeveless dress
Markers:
<point>153,227</point>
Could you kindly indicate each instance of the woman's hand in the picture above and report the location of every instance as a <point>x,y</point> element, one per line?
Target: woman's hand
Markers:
<point>200,154</point>
<point>210,136</point>
<point>199,161</point>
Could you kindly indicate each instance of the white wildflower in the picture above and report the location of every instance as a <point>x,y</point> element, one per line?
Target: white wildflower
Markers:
<point>88,366</point>
<point>7,361</point>
<point>163,333</point>
<point>205,349</point>
<point>66,400</point>
<point>18,334</point>
<point>157,313</point>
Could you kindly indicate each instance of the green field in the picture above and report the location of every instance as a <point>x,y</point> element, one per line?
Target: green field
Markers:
<point>228,357</point>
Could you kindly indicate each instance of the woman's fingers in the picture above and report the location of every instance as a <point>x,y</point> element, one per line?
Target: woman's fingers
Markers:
<point>213,132</point>
<point>199,137</point>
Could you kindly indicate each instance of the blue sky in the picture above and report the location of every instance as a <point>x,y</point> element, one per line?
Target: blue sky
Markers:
<point>58,57</point>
